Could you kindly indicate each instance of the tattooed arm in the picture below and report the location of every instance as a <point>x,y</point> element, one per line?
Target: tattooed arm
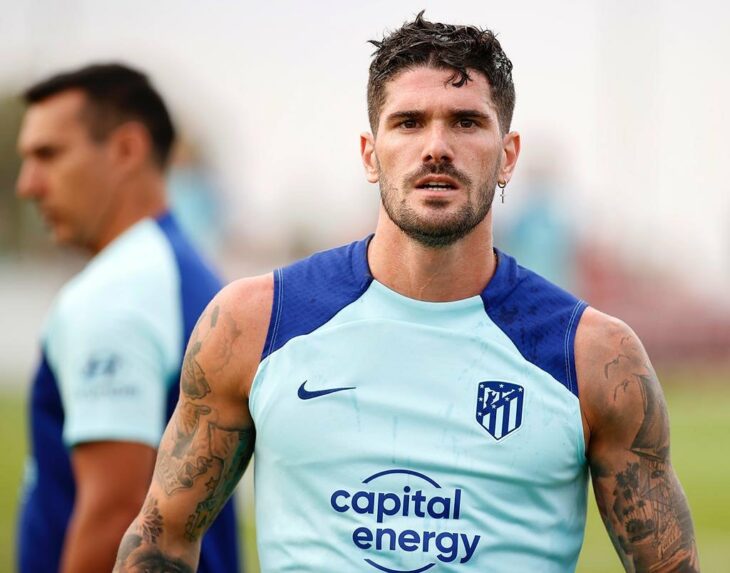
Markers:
<point>210,437</point>
<point>627,433</point>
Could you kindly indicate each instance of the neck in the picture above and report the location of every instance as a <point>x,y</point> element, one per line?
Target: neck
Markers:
<point>140,198</point>
<point>459,271</point>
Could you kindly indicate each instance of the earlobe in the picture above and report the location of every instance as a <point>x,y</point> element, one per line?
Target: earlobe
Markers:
<point>369,159</point>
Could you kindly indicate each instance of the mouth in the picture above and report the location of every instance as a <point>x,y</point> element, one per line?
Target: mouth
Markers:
<point>437,183</point>
<point>49,217</point>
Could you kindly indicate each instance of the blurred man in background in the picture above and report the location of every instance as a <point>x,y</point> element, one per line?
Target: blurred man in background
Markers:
<point>94,145</point>
<point>418,400</point>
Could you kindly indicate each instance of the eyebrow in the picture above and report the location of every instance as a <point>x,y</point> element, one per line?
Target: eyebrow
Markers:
<point>471,113</point>
<point>401,115</point>
<point>457,113</point>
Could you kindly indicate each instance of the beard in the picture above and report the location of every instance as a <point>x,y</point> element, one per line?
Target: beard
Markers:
<point>442,228</point>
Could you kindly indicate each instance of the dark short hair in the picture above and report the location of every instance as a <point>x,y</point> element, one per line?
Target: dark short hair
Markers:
<point>458,48</point>
<point>116,93</point>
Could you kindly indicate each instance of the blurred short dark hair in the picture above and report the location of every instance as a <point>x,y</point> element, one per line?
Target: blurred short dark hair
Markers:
<point>458,48</point>
<point>116,93</point>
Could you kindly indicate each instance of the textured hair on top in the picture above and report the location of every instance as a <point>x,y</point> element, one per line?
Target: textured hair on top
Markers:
<point>116,94</point>
<point>459,48</point>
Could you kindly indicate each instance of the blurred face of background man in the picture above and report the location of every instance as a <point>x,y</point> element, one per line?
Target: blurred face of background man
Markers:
<point>437,154</point>
<point>70,175</point>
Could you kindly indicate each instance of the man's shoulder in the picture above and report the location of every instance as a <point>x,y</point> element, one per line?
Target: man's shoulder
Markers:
<point>603,340</point>
<point>121,283</point>
<point>609,355</point>
<point>247,297</point>
<point>247,304</point>
<point>134,284</point>
<point>236,322</point>
<point>599,332</point>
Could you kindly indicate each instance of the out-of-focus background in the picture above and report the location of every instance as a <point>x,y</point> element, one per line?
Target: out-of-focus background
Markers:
<point>621,195</point>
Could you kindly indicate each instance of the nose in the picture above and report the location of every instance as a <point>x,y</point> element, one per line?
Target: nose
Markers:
<point>437,147</point>
<point>30,184</point>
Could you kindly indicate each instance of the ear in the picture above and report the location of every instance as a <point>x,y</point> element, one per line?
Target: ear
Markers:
<point>510,153</point>
<point>369,159</point>
<point>130,145</point>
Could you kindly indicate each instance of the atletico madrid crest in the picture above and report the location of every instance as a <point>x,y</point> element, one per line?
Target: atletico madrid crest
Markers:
<point>499,407</point>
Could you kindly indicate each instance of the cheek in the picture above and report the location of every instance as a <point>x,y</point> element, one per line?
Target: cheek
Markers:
<point>394,164</point>
<point>80,186</point>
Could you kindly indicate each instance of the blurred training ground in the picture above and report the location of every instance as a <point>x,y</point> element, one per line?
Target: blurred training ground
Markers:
<point>621,193</point>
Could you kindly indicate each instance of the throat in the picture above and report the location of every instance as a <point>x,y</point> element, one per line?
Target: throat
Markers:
<point>457,272</point>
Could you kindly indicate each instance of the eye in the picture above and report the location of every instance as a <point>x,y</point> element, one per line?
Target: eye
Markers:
<point>46,152</point>
<point>466,123</point>
<point>409,124</point>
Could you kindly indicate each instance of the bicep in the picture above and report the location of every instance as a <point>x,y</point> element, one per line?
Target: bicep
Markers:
<point>639,496</point>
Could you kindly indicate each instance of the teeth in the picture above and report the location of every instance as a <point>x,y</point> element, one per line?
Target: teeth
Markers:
<point>438,185</point>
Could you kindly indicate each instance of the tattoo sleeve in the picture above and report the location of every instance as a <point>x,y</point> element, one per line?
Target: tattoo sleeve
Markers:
<point>639,496</point>
<point>203,454</point>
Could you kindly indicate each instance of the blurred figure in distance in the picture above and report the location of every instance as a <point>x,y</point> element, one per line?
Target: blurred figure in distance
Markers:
<point>94,145</point>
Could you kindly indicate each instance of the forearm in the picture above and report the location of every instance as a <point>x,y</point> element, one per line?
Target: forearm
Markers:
<point>149,545</point>
<point>189,489</point>
<point>92,539</point>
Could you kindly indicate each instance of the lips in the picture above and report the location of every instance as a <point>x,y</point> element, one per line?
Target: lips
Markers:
<point>436,183</point>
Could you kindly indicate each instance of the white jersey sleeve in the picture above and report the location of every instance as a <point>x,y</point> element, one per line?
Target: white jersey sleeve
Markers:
<point>114,342</point>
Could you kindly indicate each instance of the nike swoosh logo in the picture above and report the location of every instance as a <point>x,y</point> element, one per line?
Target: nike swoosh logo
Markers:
<point>305,394</point>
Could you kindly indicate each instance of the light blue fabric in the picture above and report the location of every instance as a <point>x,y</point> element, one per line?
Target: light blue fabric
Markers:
<point>114,340</point>
<point>338,474</point>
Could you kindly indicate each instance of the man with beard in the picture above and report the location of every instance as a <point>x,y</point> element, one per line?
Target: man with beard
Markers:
<point>417,400</point>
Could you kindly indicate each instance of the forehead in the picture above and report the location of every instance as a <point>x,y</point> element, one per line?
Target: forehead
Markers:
<point>424,87</point>
<point>54,118</point>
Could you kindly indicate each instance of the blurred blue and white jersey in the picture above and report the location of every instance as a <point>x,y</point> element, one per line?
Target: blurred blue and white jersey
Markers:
<point>399,435</point>
<point>111,355</point>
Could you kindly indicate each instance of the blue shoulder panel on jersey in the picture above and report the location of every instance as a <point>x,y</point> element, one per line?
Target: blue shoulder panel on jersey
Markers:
<point>308,293</point>
<point>198,285</point>
<point>540,318</point>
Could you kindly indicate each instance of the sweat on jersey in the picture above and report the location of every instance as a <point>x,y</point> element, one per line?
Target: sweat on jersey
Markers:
<point>111,354</point>
<point>398,435</point>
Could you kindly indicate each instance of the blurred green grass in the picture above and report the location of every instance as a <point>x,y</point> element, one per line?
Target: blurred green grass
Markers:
<point>700,418</point>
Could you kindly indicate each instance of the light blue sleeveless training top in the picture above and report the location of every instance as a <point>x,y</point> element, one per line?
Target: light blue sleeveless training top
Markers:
<point>399,435</point>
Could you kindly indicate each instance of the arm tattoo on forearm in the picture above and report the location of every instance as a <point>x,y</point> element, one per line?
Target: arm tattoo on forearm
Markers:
<point>198,438</point>
<point>646,512</point>
<point>198,451</point>
<point>151,525</point>
<point>132,559</point>
<point>237,448</point>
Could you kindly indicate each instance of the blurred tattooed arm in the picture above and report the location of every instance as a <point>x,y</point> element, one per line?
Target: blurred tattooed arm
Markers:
<point>210,437</point>
<point>640,499</point>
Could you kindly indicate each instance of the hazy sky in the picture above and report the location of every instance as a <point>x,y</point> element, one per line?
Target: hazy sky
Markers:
<point>624,97</point>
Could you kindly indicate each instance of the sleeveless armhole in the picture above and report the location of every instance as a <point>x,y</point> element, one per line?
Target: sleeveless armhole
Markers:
<point>310,292</point>
<point>539,317</point>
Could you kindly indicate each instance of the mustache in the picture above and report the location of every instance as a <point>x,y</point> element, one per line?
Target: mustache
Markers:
<point>438,169</point>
